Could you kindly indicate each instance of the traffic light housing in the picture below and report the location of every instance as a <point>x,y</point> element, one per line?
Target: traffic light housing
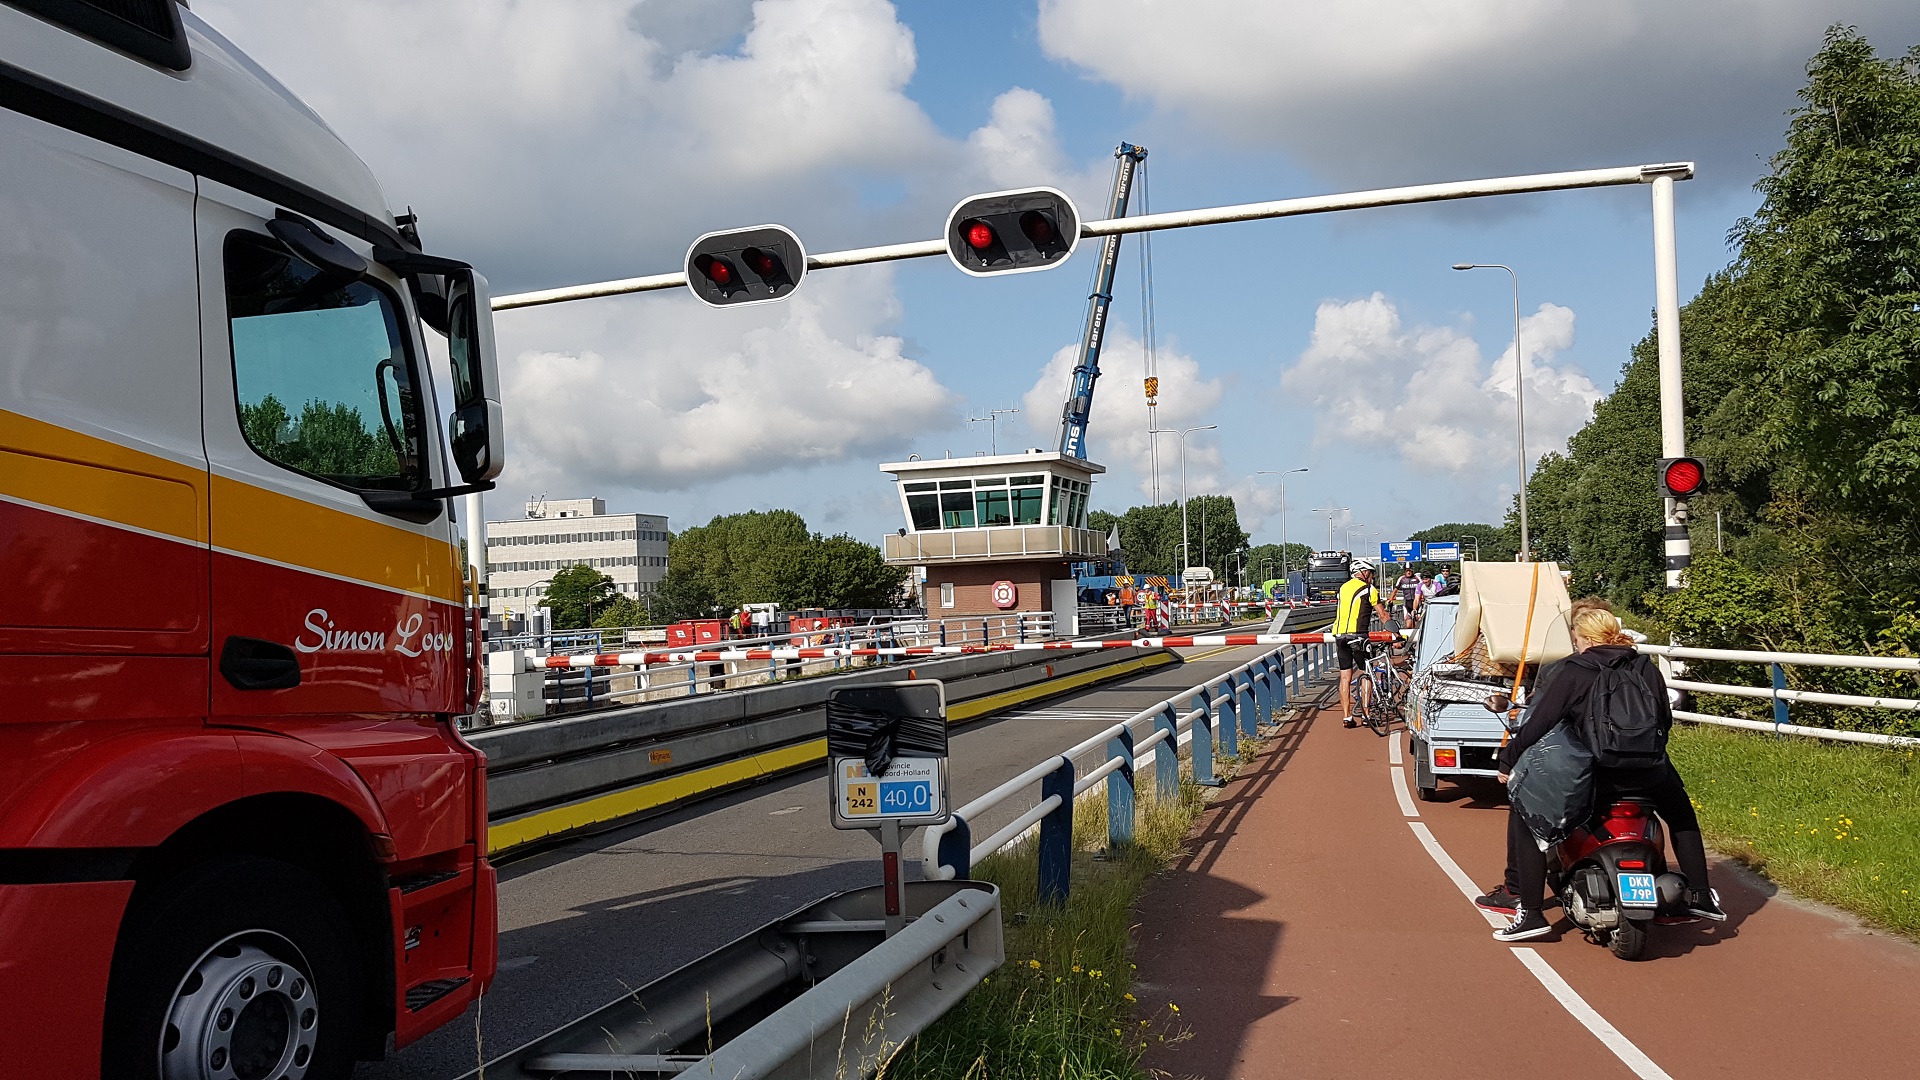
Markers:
<point>1681,477</point>
<point>745,266</point>
<point>1012,232</point>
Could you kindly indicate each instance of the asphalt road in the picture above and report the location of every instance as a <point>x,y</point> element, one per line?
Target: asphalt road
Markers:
<point>583,923</point>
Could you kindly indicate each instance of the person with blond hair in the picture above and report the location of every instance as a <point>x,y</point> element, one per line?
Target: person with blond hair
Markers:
<point>1599,643</point>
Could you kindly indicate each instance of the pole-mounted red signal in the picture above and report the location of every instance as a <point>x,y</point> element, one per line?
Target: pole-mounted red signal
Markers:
<point>1010,232</point>
<point>1681,477</point>
<point>745,266</point>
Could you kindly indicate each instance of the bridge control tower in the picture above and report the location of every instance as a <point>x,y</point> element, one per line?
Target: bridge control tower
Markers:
<point>981,524</point>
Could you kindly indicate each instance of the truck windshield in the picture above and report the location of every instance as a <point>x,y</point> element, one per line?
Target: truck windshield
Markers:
<point>320,368</point>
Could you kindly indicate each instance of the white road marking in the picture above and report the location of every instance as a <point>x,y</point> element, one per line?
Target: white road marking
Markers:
<point>1452,869</point>
<point>1630,1055</point>
<point>1393,749</point>
<point>1399,777</point>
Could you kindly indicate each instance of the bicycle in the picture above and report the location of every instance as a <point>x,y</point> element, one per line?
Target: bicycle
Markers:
<point>1385,695</point>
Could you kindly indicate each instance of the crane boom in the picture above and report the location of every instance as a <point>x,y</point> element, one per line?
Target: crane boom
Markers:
<point>1079,406</point>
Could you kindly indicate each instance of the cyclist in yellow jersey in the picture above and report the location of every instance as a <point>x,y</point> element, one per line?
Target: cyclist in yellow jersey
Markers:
<point>1359,603</point>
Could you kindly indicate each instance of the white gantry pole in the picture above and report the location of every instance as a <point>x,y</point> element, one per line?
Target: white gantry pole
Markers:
<point>1666,320</point>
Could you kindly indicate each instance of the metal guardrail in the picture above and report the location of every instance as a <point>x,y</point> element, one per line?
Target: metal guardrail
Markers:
<point>1224,708</point>
<point>1782,697</point>
<point>563,759</point>
<point>819,993</point>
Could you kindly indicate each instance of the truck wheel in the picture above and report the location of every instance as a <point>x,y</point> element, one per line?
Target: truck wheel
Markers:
<point>1628,940</point>
<point>238,968</point>
<point>1425,784</point>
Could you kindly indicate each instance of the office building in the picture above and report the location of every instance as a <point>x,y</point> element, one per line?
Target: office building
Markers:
<point>524,553</point>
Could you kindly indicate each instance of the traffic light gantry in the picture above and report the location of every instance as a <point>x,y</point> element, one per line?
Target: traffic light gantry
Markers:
<point>1012,232</point>
<point>746,266</point>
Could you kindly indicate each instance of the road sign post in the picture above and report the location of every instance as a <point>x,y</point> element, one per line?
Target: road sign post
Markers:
<point>887,764</point>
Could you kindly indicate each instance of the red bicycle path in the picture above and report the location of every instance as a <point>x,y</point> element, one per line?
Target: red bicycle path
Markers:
<point>1310,932</point>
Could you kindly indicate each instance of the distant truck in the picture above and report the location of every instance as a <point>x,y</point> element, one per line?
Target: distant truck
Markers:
<point>1326,572</point>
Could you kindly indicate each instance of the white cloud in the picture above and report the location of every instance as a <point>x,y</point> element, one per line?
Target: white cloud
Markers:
<point>1433,89</point>
<point>662,394</point>
<point>1117,432</point>
<point>1426,396</point>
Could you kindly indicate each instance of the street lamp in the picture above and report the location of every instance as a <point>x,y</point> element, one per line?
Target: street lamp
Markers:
<point>1330,511</point>
<point>1346,534</point>
<point>1283,474</point>
<point>1185,545</point>
<point>1519,397</point>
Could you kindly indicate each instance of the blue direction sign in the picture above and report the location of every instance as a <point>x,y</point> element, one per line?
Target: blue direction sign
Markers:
<point>1400,551</point>
<point>1449,552</point>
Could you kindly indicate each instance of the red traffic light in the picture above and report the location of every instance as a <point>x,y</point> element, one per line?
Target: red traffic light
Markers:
<point>760,262</point>
<point>1681,477</point>
<point>716,270</point>
<point>979,235</point>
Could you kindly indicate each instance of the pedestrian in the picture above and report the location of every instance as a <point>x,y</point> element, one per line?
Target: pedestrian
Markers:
<point>1599,642</point>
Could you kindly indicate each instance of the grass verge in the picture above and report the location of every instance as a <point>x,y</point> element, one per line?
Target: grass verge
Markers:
<point>1062,1006</point>
<point>1831,822</point>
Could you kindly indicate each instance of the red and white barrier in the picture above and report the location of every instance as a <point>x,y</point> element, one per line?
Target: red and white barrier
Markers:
<point>646,658</point>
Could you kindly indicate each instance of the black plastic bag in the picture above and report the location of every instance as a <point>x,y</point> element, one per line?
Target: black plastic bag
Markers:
<point>880,723</point>
<point>1552,785</point>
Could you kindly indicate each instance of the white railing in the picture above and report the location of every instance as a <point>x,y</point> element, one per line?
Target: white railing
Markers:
<point>1781,696</point>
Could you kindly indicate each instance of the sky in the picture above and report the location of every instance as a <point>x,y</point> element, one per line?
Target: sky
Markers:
<point>570,141</point>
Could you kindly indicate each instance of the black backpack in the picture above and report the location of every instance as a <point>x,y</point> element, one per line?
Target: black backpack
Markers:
<point>1623,725</point>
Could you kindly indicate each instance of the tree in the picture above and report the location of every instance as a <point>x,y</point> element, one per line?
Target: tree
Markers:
<point>768,556</point>
<point>1493,544</point>
<point>576,596</point>
<point>1802,369</point>
<point>621,611</point>
<point>1264,560</point>
<point>835,572</point>
<point>1150,535</point>
<point>684,594</point>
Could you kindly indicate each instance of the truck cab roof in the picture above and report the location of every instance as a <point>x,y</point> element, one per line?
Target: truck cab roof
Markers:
<point>221,117</point>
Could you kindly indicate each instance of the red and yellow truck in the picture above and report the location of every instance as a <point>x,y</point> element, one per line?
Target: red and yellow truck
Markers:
<point>240,834</point>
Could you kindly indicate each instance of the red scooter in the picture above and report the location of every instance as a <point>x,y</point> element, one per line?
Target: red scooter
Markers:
<point>1612,878</point>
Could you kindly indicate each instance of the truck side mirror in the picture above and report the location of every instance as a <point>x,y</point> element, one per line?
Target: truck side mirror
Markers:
<point>475,431</point>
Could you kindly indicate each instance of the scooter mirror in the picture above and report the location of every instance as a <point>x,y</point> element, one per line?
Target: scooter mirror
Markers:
<point>1497,702</point>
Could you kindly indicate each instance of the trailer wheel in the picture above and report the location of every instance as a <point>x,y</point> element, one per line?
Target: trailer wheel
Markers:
<point>237,968</point>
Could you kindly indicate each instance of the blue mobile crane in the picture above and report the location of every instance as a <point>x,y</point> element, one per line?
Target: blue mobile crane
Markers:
<point>1079,407</point>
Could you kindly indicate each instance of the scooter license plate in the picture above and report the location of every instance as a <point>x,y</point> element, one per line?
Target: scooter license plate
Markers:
<point>1636,890</point>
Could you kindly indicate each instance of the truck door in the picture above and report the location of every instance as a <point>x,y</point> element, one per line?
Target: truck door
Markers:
<point>335,593</point>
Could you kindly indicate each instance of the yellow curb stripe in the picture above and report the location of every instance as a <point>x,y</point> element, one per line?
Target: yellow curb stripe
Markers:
<point>978,707</point>
<point>602,809</point>
<point>618,804</point>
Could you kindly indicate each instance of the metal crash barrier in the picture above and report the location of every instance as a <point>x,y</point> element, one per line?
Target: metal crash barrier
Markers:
<point>1212,715</point>
<point>822,992</point>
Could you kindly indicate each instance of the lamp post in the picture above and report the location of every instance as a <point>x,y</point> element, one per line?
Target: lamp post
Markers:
<point>1185,545</point>
<point>1346,534</point>
<point>1330,511</point>
<point>1283,474</point>
<point>1519,397</point>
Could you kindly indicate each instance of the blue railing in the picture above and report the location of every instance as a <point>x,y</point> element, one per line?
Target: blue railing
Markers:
<point>1216,713</point>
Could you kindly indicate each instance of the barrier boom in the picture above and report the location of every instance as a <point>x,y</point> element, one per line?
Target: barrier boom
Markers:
<point>1177,219</point>
<point>646,658</point>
